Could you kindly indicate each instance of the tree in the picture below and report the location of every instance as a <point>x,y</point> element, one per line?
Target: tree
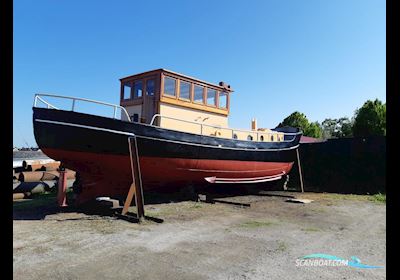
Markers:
<point>329,128</point>
<point>297,119</point>
<point>370,119</point>
<point>337,128</point>
<point>345,128</point>
<point>314,130</point>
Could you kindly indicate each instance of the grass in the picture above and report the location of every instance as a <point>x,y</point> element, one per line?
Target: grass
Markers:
<point>255,224</point>
<point>311,229</point>
<point>380,198</point>
<point>40,200</point>
<point>282,246</point>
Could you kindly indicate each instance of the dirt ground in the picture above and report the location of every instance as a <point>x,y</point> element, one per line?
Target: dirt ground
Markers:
<point>200,240</point>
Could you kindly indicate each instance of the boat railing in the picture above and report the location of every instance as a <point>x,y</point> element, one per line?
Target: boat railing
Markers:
<point>232,131</point>
<point>39,97</point>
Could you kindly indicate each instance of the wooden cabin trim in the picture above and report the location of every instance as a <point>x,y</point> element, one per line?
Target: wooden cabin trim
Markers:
<point>141,75</point>
<point>178,75</point>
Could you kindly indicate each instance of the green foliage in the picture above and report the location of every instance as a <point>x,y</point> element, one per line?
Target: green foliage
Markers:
<point>346,127</point>
<point>370,119</point>
<point>314,130</point>
<point>337,128</point>
<point>297,119</point>
<point>381,198</point>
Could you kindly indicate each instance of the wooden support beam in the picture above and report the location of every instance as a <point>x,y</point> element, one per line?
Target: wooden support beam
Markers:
<point>136,186</point>
<point>299,165</point>
<point>128,200</point>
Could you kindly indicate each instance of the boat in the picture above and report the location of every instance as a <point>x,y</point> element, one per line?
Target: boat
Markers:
<point>181,127</point>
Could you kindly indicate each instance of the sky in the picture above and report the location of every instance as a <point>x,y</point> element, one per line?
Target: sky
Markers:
<point>321,58</point>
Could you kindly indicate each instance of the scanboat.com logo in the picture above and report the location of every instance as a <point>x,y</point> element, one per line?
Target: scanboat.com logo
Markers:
<point>329,260</point>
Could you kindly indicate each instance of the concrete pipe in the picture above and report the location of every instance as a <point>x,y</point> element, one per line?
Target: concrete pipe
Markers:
<point>54,175</point>
<point>51,166</point>
<point>71,174</point>
<point>31,187</point>
<point>31,176</point>
<point>17,196</point>
<point>50,175</point>
<point>28,162</point>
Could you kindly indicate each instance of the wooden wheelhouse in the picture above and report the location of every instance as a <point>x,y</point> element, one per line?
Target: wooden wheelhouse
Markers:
<point>179,102</point>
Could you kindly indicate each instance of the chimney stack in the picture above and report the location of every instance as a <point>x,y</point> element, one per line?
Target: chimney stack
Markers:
<point>254,124</point>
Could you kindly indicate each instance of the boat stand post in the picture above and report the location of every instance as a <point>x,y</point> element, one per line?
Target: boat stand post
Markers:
<point>62,188</point>
<point>136,186</point>
<point>299,165</point>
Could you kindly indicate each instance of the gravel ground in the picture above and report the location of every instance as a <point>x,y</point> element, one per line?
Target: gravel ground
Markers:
<point>203,241</point>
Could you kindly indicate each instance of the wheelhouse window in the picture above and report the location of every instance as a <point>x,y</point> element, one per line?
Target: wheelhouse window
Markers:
<point>211,97</point>
<point>184,90</point>
<point>150,87</point>
<point>223,100</point>
<point>169,86</point>
<point>127,90</point>
<point>198,94</point>
<point>137,89</point>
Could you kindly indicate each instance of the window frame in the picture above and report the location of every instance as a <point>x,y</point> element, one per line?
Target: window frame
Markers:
<point>133,88</point>
<point>123,91</point>
<point>175,96</point>
<point>204,88</point>
<point>190,100</point>
<point>215,98</point>
<point>227,99</point>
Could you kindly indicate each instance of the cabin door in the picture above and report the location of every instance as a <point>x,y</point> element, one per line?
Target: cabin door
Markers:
<point>149,104</point>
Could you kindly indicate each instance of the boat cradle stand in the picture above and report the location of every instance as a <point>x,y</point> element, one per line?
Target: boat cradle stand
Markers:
<point>135,190</point>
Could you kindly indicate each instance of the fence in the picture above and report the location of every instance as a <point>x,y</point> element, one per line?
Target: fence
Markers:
<point>346,165</point>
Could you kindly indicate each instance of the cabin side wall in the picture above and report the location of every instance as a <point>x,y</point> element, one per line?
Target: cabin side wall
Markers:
<point>263,136</point>
<point>192,115</point>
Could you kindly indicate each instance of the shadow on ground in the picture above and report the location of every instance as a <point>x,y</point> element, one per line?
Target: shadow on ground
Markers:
<point>42,205</point>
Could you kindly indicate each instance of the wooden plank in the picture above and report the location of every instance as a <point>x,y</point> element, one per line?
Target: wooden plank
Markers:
<point>299,165</point>
<point>128,200</point>
<point>136,176</point>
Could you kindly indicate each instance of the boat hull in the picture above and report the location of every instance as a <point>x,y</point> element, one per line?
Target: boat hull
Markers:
<point>97,148</point>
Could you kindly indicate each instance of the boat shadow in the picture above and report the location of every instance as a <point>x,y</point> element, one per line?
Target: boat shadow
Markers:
<point>42,206</point>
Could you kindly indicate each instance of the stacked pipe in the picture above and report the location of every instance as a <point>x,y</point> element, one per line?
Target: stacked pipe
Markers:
<point>36,176</point>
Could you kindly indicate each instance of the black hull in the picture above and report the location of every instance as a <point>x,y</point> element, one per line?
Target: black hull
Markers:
<point>72,131</point>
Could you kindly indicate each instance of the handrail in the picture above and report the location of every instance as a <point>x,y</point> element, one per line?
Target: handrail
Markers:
<point>38,96</point>
<point>294,134</point>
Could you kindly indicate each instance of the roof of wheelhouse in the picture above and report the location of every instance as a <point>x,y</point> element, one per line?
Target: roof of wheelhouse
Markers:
<point>224,86</point>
